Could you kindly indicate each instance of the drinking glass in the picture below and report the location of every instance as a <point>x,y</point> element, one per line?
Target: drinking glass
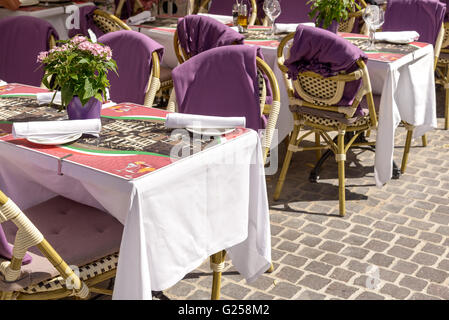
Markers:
<point>272,10</point>
<point>370,16</point>
<point>378,23</point>
<point>235,14</point>
<point>243,17</point>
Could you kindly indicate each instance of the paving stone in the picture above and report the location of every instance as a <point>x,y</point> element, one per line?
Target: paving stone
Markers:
<point>434,275</point>
<point>334,235</point>
<point>310,295</point>
<point>400,252</point>
<point>369,296</point>
<point>386,226</point>
<point>430,236</point>
<point>425,259</point>
<point>338,224</point>
<point>235,291</point>
<point>380,259</point>
<point>415,212</point>
<point>407,242</point>
<point>395,291</point>
<point>439,218</point>
<point>406,231</point>
<point>355,252</point>
<point>421,225</point>
<point>362,220</point>
<point>293,223</point>
<point>311,241</point>
<point>405,267</point>
<point>333,259</point>
<point>183,289</point>
<point>413,283</point>
<point>331,246</point>
<point>284,289</point>
<point>438,291</point>
<point>355,240</point>
<point>290,274</point>
<point>311,253</point>
<point>342,274</point>
<point>444,265</point>
<point>314,282</point>
<point>275,230</point>
<point>261,283</point>
<point>421,296</point>
<point>294,260</point>
<point>288,246</point>
<point>435,249</point>
<point>200,295</point>
<point>358,266</point>
<point>260,296</point>
<point>425,205</point>
<point>340,290</point>
<point>318,267</point>
<point>382,235</point>
<point>290,234</point>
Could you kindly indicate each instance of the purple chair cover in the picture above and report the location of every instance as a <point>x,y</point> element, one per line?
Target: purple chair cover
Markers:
<point>323,52</point>
<point>200,33</point>
<point>292,11</point>
<point>86,22</point>
<point>21,40</point>
<point>133,53</point>
<point>127,9</point>
<point>220,82</point>
<point>422,16</point>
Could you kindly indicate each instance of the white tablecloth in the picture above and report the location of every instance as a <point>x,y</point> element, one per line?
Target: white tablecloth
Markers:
<point>174,217</point>
<point>57,16</point>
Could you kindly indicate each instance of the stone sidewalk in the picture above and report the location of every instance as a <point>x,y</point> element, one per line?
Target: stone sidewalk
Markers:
<point>393,242</point>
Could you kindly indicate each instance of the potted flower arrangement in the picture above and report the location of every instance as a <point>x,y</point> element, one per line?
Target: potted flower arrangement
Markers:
<point>79,68</point>
<point>328,13</point>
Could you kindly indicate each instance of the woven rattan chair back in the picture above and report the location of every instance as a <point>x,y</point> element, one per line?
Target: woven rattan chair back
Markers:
<point>108,22</point>
<point>348,24</point>
<point>204,8</point>
<point>154,82</point>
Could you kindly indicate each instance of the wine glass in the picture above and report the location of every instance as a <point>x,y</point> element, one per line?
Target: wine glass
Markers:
<point>272,9</point>
<point>370,16</point>
<point>378,22</point>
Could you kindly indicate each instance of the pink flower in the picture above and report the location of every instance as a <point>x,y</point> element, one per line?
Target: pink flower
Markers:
<point>78,39</point>
<point>42,55</point>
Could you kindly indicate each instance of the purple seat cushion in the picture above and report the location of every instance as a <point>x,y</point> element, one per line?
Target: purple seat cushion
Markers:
<point>220,82</point>
<point>133,53</point>
<point>200,33</point>
<point>86,22</point>
<point>325,53</point>
<point>79,233</point>
<point>21,40</point>
<point>422,16</point>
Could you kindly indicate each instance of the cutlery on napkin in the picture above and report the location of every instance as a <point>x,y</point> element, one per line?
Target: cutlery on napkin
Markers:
<point>397,36</point>
<point>140,18</point>
<point>183,120</point>
<point>55,129</point>
<point>45,97</point>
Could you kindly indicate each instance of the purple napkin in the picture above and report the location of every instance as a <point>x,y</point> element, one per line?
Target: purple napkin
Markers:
<point>324,52</point>
<point>86,22</point>
<point>21,40</point>
<point>133,53</point>
<point>220,82</point>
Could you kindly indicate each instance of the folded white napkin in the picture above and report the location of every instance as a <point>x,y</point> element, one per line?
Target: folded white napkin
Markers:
<point>140,18</point>
<point>221,18</point>
<point>290,27</point>
<point>397,36</point>
<point>3,83</point>
<point>45,97</point>
<point>55,129</point>
<point>182,120</point>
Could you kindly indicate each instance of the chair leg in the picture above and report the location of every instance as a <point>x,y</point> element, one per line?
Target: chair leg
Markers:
<point>6,295</point>
<point>446,109</point>
<point>288,158</point>
<point>317,144</point>
<point>271,269</point>
<point>424,140</point>
<point>408,143</point>
<point>217,264</point>
<point>341,158</point>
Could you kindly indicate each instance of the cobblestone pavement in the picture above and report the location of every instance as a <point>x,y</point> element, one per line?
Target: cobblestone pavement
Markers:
<point>393,242</point>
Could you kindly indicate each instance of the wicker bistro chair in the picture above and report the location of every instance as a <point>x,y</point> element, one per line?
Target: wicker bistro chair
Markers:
<point>313,101</point>
<point>86,237</point>
<point>442,72</point>
<point>354,17</point>
<point>225,7</point>
<point>108,22</point>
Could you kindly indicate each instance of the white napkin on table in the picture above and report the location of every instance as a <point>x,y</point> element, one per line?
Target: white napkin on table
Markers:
<point>55,129</point>
<point>3,83</point>
<point>182,120</point>
<point>140,18</point>
<point>222,18</point>
<point>45,97</point>
<point>397,36</point>
<point>290,27</point>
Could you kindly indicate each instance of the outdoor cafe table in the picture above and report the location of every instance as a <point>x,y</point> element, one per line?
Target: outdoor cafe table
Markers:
<point>401,74</point>
<point>55,13</point>
<point>176,211</point>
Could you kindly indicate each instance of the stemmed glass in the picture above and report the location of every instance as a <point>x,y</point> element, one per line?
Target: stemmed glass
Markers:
<point>272,10</point>
<point>374,19</point>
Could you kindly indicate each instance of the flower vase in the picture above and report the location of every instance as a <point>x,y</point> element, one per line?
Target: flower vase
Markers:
<point>91,110</point>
